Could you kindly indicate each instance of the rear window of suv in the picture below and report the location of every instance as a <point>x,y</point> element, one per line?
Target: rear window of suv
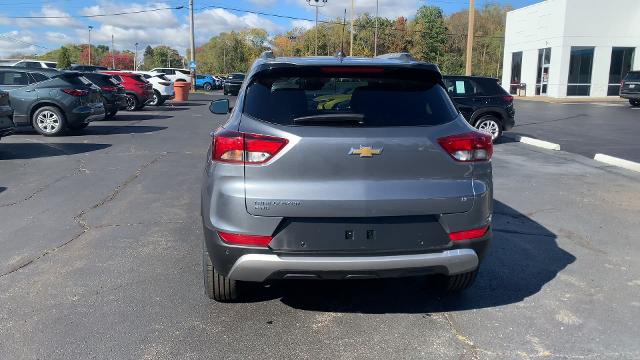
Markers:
<point>632,76</point>
<point>377,98</point>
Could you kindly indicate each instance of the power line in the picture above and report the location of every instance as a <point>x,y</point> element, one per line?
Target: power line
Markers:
<point>22,41</point>
<point>95,15</point>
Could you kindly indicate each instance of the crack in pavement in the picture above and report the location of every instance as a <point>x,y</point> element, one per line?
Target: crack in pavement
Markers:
<point>76,171</point>
<point>80,218</point>
<point>138,224</point>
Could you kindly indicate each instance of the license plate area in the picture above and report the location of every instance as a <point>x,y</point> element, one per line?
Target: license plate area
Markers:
<point>360,235</point>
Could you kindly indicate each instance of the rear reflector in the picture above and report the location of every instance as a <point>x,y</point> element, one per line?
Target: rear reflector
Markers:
<point>237,147</point>
<point>75,92</point>
<point>507,98</point>
<point>468,234</point>
<point>239,239</point>
<point>468,147</point>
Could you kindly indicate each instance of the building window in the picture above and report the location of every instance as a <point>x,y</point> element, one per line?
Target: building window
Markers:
<point>542,79</point>
<point>516,72</point>
<point>580,67</point>
<point>621,60</point>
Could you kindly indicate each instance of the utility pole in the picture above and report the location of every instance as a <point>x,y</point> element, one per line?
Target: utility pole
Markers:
<point>470,31</point>
<point>113,59</point>
<point>375,40</point>
<point>317,4</point>
<point>135,59</point>
<point>193,46</point>
<point>351,47</point>
<point>90,27</point>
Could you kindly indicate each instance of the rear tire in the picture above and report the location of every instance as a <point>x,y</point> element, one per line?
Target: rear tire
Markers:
<point>207,87</point>
<point>132,102</point>
<point>491,125</point>
<point>216,286</point>
<point>459,282</point>
<point>156,100</point>
<point>49,121</point>
<point>634,102</point>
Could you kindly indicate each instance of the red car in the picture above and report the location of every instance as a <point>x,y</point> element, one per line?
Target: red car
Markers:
<point>138,90</point>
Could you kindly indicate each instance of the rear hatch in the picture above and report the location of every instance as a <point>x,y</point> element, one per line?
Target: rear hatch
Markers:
<point>361,142</point>
<point>631,83</point>
<point>78,81</point>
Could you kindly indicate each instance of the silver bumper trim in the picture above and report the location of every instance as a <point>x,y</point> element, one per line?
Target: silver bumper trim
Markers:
<point>258,267</point>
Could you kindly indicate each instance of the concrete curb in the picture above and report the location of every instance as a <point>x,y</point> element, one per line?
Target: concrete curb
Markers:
<point>625,164</point>
<point>535,142</point>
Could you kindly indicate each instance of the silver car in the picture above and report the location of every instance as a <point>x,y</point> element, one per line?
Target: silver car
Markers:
<point>344,168</point>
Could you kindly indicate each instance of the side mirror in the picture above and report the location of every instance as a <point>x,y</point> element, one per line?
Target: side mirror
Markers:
<point>220,107</point>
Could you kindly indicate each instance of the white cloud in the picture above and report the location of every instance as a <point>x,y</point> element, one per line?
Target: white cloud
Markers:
<point>303,24</point>
<point>16,42</point>
<point>265,3</point>
<point>59,38</point>
<point>160,18</point>
<point>58,19</point>
<point>388,9</point>
<point>211,22</point>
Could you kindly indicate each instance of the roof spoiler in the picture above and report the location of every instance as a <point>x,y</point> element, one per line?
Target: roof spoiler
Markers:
<point>402,56</point>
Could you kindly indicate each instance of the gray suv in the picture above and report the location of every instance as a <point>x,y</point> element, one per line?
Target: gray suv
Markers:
<point>344,168</point>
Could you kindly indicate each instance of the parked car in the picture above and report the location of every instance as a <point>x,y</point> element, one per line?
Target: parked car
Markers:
<point>175,74</point>
<point>162,87</point>
<point>630,88</point>
<point>32,64</point>
<point>232,83</point>
<point>88,68</point>
<point>7,127</point>
<point>395,184</point>
<point>51,101</point>
<point>219,81</point>
<point>483,102</point>
<point>114,96</point>
<point>138,90</point>
<point>207,82</point>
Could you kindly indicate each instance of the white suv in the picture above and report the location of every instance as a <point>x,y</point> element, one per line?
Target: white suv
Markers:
<point>33,64</point>
<point>162,86</point>
<point>175,74</point>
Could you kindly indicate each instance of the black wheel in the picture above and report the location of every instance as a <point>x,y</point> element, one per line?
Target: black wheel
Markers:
<point>489,124</point>
<point>111,114</point>
<point>207,87</point>
<point>79,126</point>
<point>459,282</point>
<point>216,286</point>
<point>156,100</point>
<point>634,102</point>
<point>49,121</point>
<point>132,102</point>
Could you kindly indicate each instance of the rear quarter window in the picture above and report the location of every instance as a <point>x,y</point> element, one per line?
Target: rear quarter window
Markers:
<point>13,78</point>
<point>382,100</point>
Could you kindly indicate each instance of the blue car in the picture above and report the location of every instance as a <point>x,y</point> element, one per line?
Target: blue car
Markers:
<point>207,82</point>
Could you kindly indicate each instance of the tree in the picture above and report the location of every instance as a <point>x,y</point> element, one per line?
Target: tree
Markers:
<point>429,34</point>
<point>64,60</point>
<point>123,61</point>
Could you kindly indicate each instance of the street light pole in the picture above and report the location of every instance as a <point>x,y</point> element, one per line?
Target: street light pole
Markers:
<point>90,27</point>
<point>135,59</point>
<point>317,4</point>
<point>375,41</point>
<point>193,46</point>
<point>113,59</point>
<point>351,42</point>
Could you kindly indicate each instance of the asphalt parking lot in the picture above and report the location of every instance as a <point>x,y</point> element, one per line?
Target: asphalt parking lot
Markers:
<point>101,244</point>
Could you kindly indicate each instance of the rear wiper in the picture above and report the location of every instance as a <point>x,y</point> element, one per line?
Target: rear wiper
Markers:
<point>330,118</point>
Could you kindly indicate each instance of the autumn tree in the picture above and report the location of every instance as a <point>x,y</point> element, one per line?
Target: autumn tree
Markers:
<point>64,60</point>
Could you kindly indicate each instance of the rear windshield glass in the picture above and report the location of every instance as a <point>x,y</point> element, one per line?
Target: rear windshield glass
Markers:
<point>75,79</point>
<point>632,76</point>
<point>99,79</point>
<point>162,77</point>
<point>51,65</point>
<point>236,77</point>
<point>377,99</point>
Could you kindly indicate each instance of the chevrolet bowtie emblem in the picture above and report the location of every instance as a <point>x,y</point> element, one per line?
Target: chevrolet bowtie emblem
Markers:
<point>365,151</point>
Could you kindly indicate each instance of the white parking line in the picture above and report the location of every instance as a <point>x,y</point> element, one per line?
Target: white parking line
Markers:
<point>625,164</point>
<point>536,142</point>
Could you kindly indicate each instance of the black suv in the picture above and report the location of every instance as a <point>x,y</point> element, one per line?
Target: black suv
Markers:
<point>630,88</point>
<point>233,83</point>
<point>483,102</point>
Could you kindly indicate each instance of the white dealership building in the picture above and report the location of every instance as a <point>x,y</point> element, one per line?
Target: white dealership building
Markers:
<point>561,48</point>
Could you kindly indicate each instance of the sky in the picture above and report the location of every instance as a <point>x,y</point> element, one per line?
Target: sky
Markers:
<point>170,27</point>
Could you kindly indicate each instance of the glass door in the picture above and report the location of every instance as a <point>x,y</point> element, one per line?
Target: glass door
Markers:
<point>542,79</point>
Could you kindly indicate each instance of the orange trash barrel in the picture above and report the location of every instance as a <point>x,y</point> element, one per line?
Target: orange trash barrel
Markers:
<point>182,90</point>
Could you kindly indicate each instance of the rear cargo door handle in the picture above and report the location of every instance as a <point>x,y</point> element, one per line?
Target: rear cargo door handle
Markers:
<point>29,90</point>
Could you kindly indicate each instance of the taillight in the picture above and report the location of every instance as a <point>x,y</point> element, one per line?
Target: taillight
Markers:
<point>508,98</point>
<point>237,147</point>
<point>240,239</point>
<point>75,92</point>
<point>468,147</point>
<point>108,88</point>
<point>468,234</point>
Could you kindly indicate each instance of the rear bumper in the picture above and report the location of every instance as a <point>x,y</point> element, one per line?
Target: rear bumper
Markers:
<point>6,132</point>
<point>86,113</point>
<point>630,96</point>
<point>260,267</point>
